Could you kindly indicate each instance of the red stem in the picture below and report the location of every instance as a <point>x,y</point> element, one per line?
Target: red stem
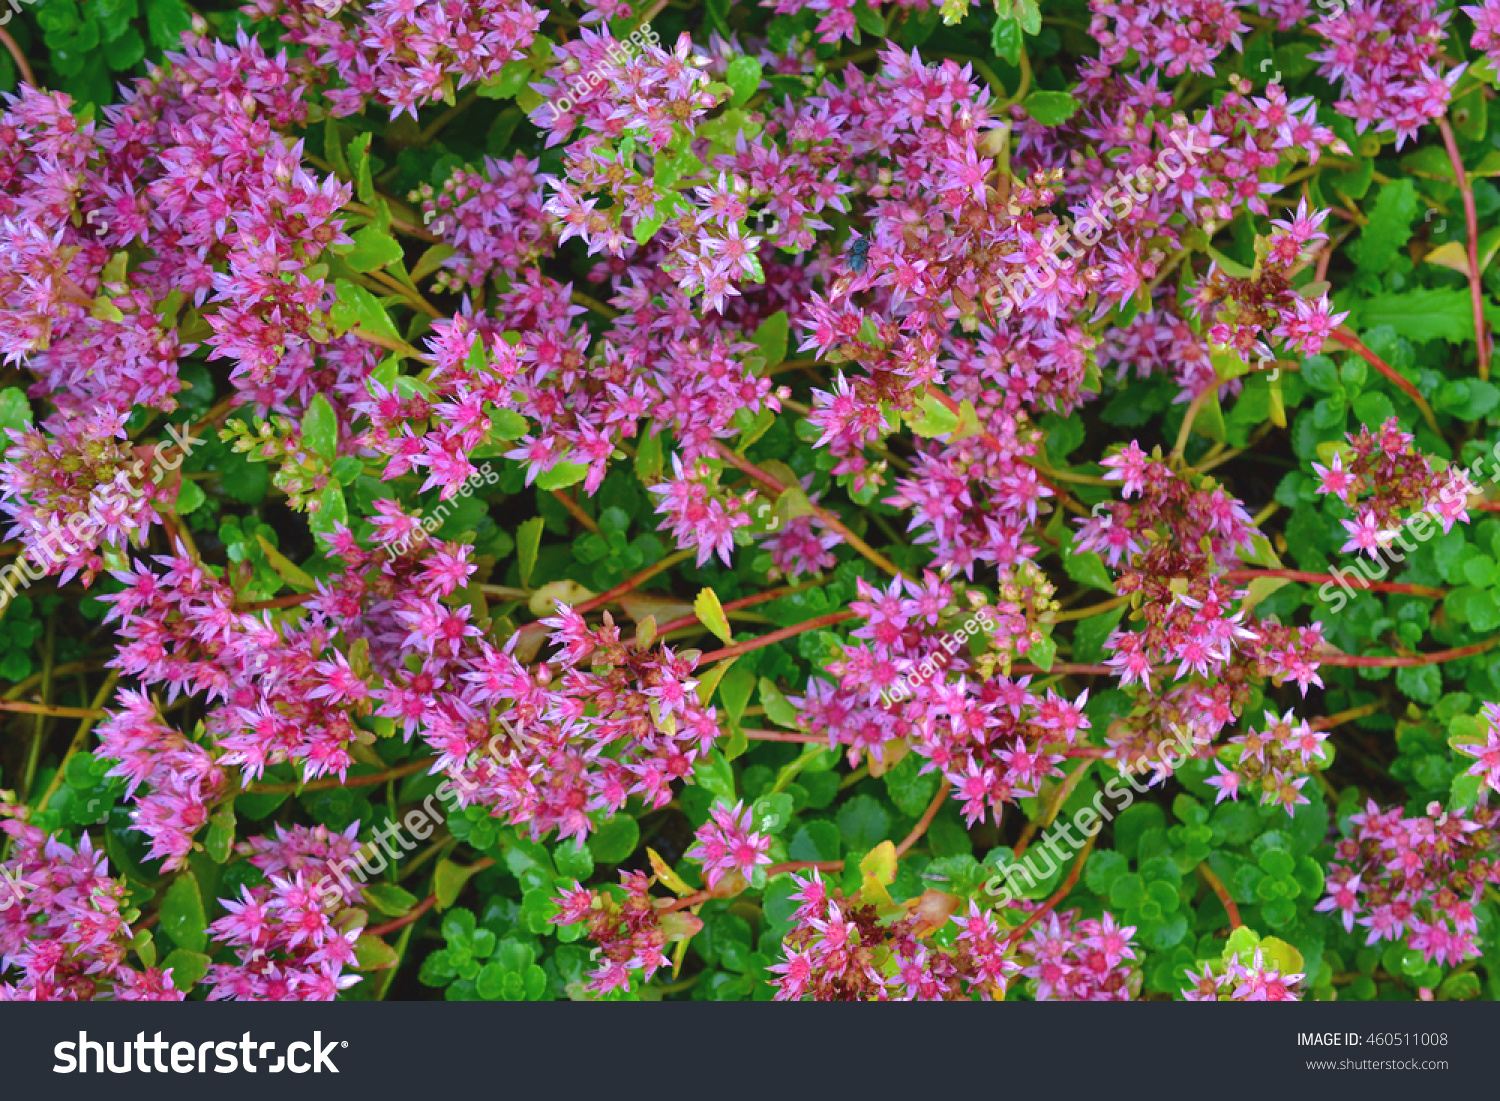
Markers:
<point>1219,889</point>
<point>829,520</point>
<point>1328,722</point>
<point>784,736</point>
<point>1398,661</point>
<point>1060,894</point>
<point>27,76</point>
<point>1065,667</point>
<point>291,600</point>
<point>405,919</point>
<point>53,710</point>
<point>630,584</point>
<point>1354,344</point>
<point>1317,578</point>
<point>422,907</point>
<point>575,510</point>
<point>926,820</point>
<point>1471,220</point>
<point>733,606</point>
<point>775,636</point>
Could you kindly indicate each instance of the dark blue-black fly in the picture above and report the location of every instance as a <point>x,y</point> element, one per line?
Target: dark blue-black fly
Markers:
<point>859,254</point>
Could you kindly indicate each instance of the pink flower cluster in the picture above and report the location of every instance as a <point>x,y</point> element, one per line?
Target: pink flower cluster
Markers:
<point>182,778</point>
<point>1487,754</point>
<point>190,172</point>
<point>63,923</point>
<point>697,511</point>
<point>1174,547</point>
<point>975,500</point>
<point>1385,477</point>
<point>1236,981</point>
<point>1069,958</point>
<point>599,692</point>
<point>689,377</point>
<point>493,218</point>
<point>728,844</point>
<point>1276,762</point>
<point>275,693</point>
<point>630,928</point>
<point>286,693</point>
<point>1241,313</point>
<point>1383,52</point>
<point>649,101</point>
<point>295,934</point>
<point>1172,35</point>
<point>1238,141</point>
<point>842,950</point>
<point>75,491</point>
<point>836,19</point>
<point>405,54</point>
<point>1486,38</point>
<point>994,739</point>
<point>1416,878</point>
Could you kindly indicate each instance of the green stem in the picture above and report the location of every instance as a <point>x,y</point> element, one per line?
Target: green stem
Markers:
<point>41,720</point>
<point>79,740</point>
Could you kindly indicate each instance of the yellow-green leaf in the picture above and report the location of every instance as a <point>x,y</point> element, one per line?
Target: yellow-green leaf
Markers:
<point>1260,588</point>
<point>709,682</point>
<point>667,875</point>
<point>544,601</point>
<point>794,502</point>
<point>778,709</point>
<point>1282,956</point>
<point>880,863</point>
<point>648,456</point>
<point>1210,419</point>
<point>372,250</point>
<point>448,881</point>
<point>293,574</point>
<point>562,476</point>
<point>1453,255</point>
<point>219,840</point>
<point>373,954</point>
<point>710,613</point>
<point>389,899</point>
<point>528,542</point>
<point>431,261</point>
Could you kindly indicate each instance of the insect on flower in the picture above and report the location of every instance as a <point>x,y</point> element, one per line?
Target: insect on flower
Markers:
<point>858,254</point>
